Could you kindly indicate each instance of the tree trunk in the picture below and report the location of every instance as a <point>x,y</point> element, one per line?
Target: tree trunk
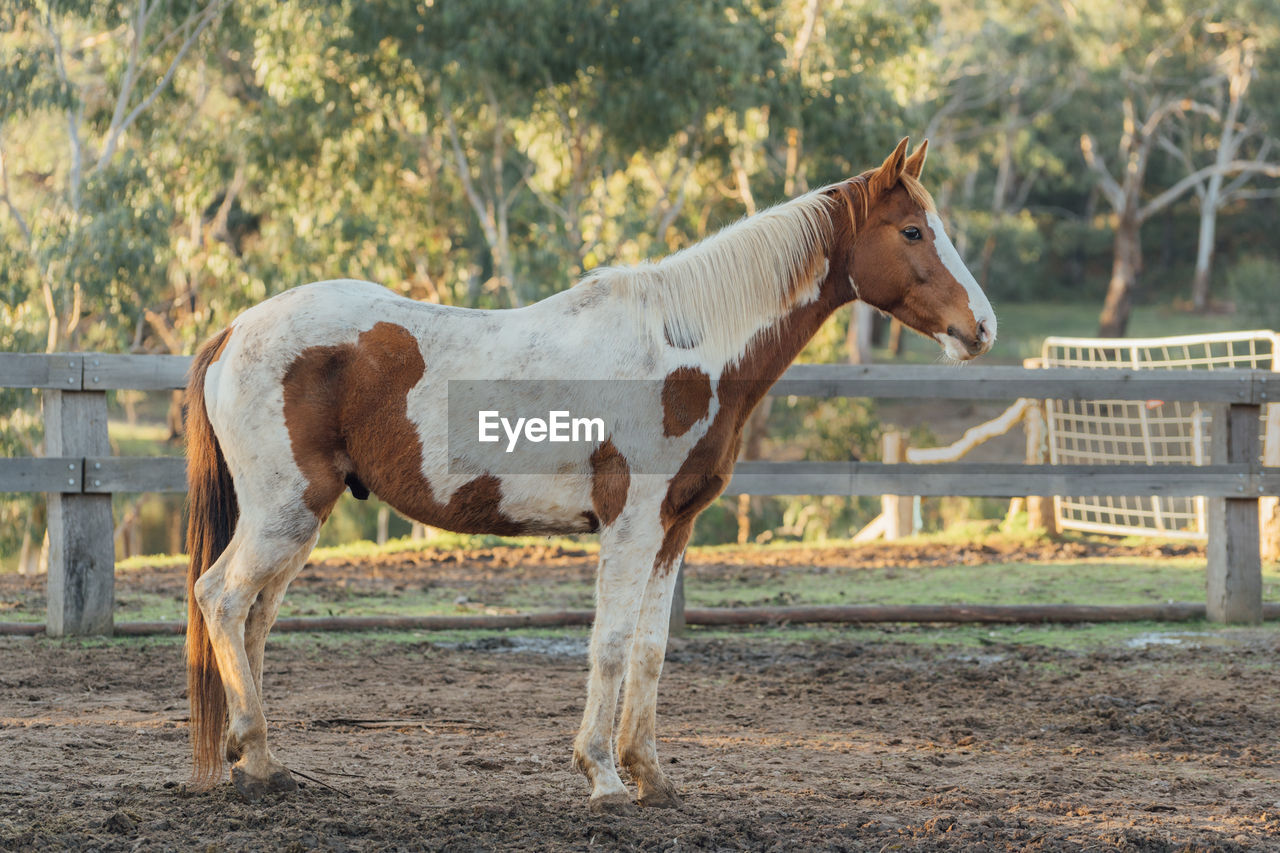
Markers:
<point>1204,251</point>
<point>858,340</point>
<point>29,556</point>
<point>1125,267</point>
<point>176,530</point>
<point>384,520</point>
<point>895,337</point>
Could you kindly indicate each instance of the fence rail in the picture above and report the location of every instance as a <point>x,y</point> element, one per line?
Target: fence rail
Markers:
<point>79,475</point>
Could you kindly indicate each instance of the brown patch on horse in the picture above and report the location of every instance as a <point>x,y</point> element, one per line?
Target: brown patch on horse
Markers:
<point>346,409</point>
<point>706,471</point>
<point>610,480</point>
<point>686,396</point>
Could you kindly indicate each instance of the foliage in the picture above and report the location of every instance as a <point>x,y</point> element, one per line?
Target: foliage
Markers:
<point>166,163</point>
<point>1254,285</point>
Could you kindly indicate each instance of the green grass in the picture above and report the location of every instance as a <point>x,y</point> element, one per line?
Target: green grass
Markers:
<point>1129,580</point>
<point>365,549</point>
<point>1113,581</point>
<point>141,439</point>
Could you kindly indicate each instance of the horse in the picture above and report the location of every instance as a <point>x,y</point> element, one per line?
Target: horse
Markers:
<point>343,385</point>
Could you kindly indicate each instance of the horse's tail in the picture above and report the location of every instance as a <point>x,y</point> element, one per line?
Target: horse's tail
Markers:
<point>212,507</point>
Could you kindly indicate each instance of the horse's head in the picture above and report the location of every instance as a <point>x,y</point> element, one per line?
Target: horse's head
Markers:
<point>899,259</point>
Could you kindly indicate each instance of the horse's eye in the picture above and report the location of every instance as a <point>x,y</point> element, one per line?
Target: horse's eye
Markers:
<point>911,232</point>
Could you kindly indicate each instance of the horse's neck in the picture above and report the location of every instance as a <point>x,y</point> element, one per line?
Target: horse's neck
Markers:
<point>771,351</point>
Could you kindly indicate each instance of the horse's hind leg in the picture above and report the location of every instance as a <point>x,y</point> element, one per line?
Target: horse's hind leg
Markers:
<point>262,615</point>
<point>226,594</point>
<point>637,738</point>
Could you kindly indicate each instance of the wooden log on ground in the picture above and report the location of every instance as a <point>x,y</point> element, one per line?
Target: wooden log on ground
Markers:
<point>729,616</point>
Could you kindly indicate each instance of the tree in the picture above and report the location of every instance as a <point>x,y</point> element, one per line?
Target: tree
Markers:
<point>1158,83</point>
<point>101,229</point>
<point>1238,128</point>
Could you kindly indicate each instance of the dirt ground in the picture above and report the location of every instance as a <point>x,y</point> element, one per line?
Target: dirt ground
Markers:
<point>856,740</point>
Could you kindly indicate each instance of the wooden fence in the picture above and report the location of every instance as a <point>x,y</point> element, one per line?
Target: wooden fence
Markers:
<point>79,474</point>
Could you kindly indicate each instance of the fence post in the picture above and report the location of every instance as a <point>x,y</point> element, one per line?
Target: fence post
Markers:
<point>1234,584</point>
<point>898,511</point>
<point>81,580</point>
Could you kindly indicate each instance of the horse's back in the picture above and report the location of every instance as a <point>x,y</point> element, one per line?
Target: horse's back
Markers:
<point>344,384</point>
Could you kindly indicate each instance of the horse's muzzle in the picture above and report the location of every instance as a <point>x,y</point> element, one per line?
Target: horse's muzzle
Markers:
<point>979,342</point>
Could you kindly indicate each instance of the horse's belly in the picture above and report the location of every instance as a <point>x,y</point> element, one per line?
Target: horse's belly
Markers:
<point>494,505</point>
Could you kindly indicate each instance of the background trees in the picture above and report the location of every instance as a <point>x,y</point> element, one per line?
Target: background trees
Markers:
<point>165,163</point>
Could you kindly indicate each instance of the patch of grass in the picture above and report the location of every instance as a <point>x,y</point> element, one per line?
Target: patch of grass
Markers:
<point>143,606</point>
<point>141,439</point>
<point>520,598</point>
<point>445,540</point>
<point>1111,581</point>
<point>151,561</point>
<point>365,549</point>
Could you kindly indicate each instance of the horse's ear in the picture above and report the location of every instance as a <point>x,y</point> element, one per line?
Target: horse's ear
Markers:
<point>915,163</point>
<point>887,175</point>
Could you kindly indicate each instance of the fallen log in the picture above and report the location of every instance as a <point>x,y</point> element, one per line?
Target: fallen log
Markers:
<point>724,616</point>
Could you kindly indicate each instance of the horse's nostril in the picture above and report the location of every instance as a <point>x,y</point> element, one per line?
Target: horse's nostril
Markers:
<point>983,334</point>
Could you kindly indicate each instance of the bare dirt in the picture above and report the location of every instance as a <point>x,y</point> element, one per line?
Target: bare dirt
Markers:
<point>857,740</point>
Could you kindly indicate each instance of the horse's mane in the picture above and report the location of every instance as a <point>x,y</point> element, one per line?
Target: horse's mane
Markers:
<point>716,294</point>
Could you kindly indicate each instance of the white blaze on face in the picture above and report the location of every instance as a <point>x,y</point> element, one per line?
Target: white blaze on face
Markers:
<point>978,304</point>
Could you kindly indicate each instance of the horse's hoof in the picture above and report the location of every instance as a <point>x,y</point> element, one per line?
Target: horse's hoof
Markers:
<point>613,804</point>
<point>661,797</point>
<point>252,789</point>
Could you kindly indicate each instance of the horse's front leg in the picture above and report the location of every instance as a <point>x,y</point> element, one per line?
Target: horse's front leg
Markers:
<point>620,584</point>
<point>637,738</point>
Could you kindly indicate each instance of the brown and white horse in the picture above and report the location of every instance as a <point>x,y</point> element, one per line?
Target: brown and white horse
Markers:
<point>343,384</point>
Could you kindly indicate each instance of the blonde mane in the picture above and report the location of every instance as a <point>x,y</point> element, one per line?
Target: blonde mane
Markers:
<point>717,294</point>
